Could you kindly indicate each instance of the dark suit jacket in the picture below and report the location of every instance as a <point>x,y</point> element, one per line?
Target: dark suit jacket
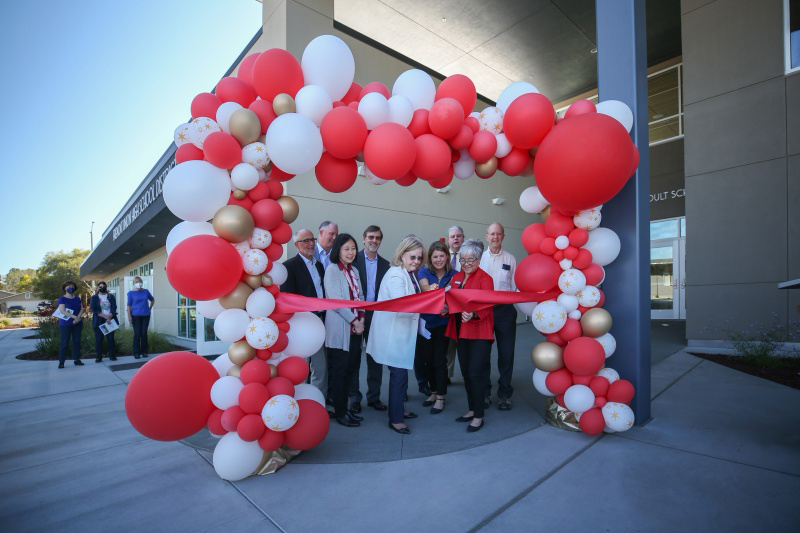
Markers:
<point>298,280</point>
<point>361,265</point>
<point>94,307</point>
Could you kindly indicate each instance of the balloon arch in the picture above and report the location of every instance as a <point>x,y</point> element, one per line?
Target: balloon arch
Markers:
<point>278,118</point>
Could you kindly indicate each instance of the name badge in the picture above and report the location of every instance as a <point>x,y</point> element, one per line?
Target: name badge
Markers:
<point>506,267</point>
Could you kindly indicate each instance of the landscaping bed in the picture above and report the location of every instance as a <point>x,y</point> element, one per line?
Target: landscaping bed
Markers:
<point>783,370</point>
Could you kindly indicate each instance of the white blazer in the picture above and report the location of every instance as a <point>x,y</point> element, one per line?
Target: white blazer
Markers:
<point>393,336</point>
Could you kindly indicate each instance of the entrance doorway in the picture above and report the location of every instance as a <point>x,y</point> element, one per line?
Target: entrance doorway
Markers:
<point>668,269</point>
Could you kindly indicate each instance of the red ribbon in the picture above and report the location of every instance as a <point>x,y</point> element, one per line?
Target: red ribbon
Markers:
<point>430,302</point>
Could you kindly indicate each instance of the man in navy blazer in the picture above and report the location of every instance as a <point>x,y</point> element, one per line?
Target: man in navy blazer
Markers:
<point>371,268</point>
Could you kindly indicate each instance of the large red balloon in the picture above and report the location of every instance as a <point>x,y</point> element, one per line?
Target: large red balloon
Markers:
<point>446,118</point>
<point>222,150</point>
<point>267,214</point>
<point>594,273</point>
<point>204,267</point>
<point>584,162</point>
<point>169,398</point>
<point>276,71</point>
<point>532,238</point>
<point>537,273</point>
<point>419,123</point>
<point>282,234</point>
<point>390,151</point>
<point>460,88</point>
<point>334,174</point>
<point>188,152</point>
<point>483,147</point>
<point>584,356</point>
<point>515,162</point>
<point>432,159</point>
<point>205,105</point>
<point>245,72</point>
<point>528,120</point>
<point>592,422</point>
<point>279,175</point>
<point>264,112</point>
<point>621,391</point>
<point>295,369</point>
<point>343,132</point>
<point>311,427</point>
<point>232,89</point>
<point>558,381</point>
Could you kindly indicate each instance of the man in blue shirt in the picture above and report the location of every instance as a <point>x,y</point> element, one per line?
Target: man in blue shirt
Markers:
<point>328,231</point>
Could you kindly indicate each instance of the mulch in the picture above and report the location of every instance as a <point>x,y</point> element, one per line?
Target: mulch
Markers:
<point>784,370</point>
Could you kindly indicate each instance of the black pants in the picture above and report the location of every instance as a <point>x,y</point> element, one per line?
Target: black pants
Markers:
<point>473,356</point>
<point>374,373</point>
<point>140,324</point>
<point>98,343</point>
<point>341,367</point>
<point>434,353</point>
<point>505,333</point>
<point>70,330</point>
<point>398,386</point>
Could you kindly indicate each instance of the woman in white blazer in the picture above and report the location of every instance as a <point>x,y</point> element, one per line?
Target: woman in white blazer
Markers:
<point>393,336</point>
<point>343,327</point>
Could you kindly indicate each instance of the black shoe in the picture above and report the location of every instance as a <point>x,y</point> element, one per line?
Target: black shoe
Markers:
<point>473,429</point>
<point>449,381</point>
<point>113,358</point>
<point>136,356</point>
<point>355,407</point>
<point>434,410</point>
<point>144,355</point>
<point>331,414</point>
<point>505,404</point>
<point>488,401</point>
<point>424,390</point>
<point>402,431</point>
<point>428,402</point>
<point>464,419</point>
<point>348,422</point>
<point>78,363</point>
<point>378,405</point>
<point>354,416</point>
<point>98,360</point>
<point>410,415</point>
<point>60,365</point>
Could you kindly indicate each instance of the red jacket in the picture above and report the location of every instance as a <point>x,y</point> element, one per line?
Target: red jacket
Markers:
<point>481,326</point>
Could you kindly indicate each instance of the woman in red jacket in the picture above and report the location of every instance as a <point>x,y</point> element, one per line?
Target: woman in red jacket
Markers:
<point>473,333</point>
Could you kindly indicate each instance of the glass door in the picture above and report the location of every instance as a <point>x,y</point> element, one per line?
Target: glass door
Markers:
<point>667,279</point>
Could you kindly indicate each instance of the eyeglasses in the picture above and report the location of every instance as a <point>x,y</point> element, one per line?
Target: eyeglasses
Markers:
<point>312,240</point>
<point>468,262</point>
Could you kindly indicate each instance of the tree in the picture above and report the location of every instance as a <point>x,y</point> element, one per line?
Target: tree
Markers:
<point>18,280</point>
<point>58,267</point>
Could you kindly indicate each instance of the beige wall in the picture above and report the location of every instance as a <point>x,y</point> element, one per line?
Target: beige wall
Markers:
<point>27,304</point>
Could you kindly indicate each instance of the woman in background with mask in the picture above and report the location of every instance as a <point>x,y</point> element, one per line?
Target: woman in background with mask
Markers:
<point>103,306</point>
<point>140,302</point>
<point>72,323</point>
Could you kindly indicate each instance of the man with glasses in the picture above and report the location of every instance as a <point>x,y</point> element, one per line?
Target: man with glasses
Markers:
<point>305,277</point>
<point>327,234</point>
<point>371,269</point>
<point>501,266</point>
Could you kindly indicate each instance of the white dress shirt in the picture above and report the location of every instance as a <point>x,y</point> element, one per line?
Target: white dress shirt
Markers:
<point>457,256</point>
<point>312,269</point>
<point>501,267</point>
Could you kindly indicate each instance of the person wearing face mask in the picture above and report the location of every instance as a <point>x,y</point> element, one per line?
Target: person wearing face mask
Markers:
<point>103,306</point>
<point>140,302</point>
<point>393,336</point>
<point>71,326</point>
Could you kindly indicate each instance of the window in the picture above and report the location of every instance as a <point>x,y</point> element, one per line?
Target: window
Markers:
<point>668,229</point>
<point>791,15</point>
<point>187,318</point>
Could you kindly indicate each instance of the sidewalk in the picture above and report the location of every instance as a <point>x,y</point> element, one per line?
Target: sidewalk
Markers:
<point>722,453</point>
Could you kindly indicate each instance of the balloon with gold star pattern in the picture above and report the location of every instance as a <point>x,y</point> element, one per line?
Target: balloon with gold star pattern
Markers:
<point>618,416</point>
<point>255,154</point>
<point>588,219</point>
<point>372,178</point>
<point>280,413</point>
<point>260,239</point>
<point>491,119</point>
<point>254,262</point>
<point>261,333</point>
<point>200,128</point>
<point>608,342</point>
<point>609,373</point>
<point>549,316</point>
<point>589,296</point>
<point>572,281</point>
<point>181,135</point>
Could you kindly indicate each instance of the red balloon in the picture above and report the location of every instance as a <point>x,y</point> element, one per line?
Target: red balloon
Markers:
<point>560,401</point>
<point>271,440</point>
<point>204,267</point>
<point>222,150</point>
<point>282,342</point>
<point>600,401</point>
<point>188,152</point>
<point>444,180</point>
<point>621,391</point>
<point>311,427</point>
<point>283,326</point>
<point>532,238</point>
<point>548,246</point>
<point>334,174</point>
<point>473,124</point>
<point>255,371</point>
<point>578,237</point>
<point>528,120</point>
<point>419,123</point>
<point>570,253</point>
<point>483,147</point>
<point>250,427</point>
<point>558,381</point>
<point>276,71</point>
<point>584,162</point>
<point>599,386</point>
<point>390,151</point>
<point>555,338</point>
<point>295,369</point>
<point>584,356</point>
<point>282,234</point>
<point>275,188</point>
<point>462,139</point>
<point>558,255</point>
<point>460,88</point>
<point>281,317</point>
<point>215,423</point>
<point>274,252</point>
<point>259,192</point>
<point>169,398</point>
<point>263,355</point>
<point>592,422</point>
<point>231,416</point>
<point>406,180</point>
<point>594,274</point>
<point>602,298</point>
<point>374,87</point>
<point>343,133</point>
<point>253,397</point>
<point>247,203</point>
<point>432,159</point>
<point>232,89</point>
<point>580,107</point>
<point>339,103</point>
<point>267,214</point>
<point>279,175</point>
<point>264,112</point>
<point>245,72</point>
<point>583,260</point>
<point>352,94</point>
<point>515,162</point>
<point>280,385</point>
<point>571,330</point>
<point>581,380</point>
<point>537,273</point>
<point>446,118</point>
<point>205,105</point>
<point>558,224</point>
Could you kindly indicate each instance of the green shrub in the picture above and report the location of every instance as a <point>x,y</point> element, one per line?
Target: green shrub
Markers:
<point>760,344</point>
<point>26,323</point>
<point>5,322</point>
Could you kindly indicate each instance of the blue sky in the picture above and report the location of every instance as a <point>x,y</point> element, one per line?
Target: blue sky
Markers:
<point>92,92</point>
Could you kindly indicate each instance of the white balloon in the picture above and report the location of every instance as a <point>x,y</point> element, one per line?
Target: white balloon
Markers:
<point>200,128</point>
<point>255,154</point>
<point>230,325</point>
<point>589,296</point>
<point>314,102</point>
<point>262,176</point>
<point>549,316</point>
<point>261,333</point>
<point>306,335</point>
<point>604,245</point>
<point>464,168</point>
<point>260,303</point>
<point>565,264</point>
<point>374,108</point>
<point>254,261</point>
<point>244,176</point>
<point>588,219</point>
<point>562,242</point>
<point>224,113</point>
<point>491,120</point>
<point>278,273</point>
<point>225,392</point>
<point>372,178</point>
<point>401,111</point>
<point>306,391</point>
<point>609,373</point>
<point>579,398</point>
<point>571,281</point>
<point>417,86</point>
<point>209,308</point>
<point>618,111</point>
<point>568,301</point>
<point>181,135</point>
<point>294,143</point>
<point>222,364</point>
<point>575,315</point>
<point>184,230</point>
<point>503,146</point>
<point>532,201</point>
<point>260,238</point>
<point>280,412</point>
<point>196,190</point>
<point>539,378</point>
<point>512,92</point>
<point>235,459</point>
<point>618,416</point>
<point>526,308</point>
<point>328,62</point>
<point>241,247</point>
<point>608,342</point>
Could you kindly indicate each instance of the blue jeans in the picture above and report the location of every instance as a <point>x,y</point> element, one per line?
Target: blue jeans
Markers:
<point>398,385</point>
<point>140,324</point>
<point>70,330</point>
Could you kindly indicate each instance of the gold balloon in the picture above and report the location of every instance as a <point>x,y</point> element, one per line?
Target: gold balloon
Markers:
<point>548,357</point>
<point>233,223</point>
<point>245,126</point>
<point>283,103</point>
<point>266,280</point>
<point>545,213</point>
<point>240,352</point>
<point>290,208</point>
<point>273,371</point>
<point>237,298</point>
<point>253,282</point>
<point>486,169</point>
<point>235,371</point>
<point>239,194</point>
<point>596,322</point>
